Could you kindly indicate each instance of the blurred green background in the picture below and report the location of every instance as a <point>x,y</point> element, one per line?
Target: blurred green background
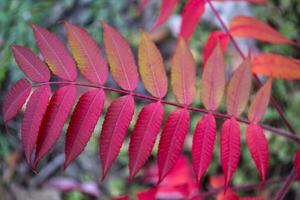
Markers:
<point>17,178</point>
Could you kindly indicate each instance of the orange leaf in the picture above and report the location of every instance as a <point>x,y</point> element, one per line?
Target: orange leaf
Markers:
<point>276,66</point>
<point>152,68</point>
<point>183,74</point>
<point>238,89</point>
<point>260,103</point>
<point>120,58</point>
<point>250,27</point>
<point>213,79</point>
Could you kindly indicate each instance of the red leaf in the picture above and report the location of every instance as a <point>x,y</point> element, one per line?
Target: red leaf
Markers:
<point>115,125</point>
<point>203,144</point>
<point>192,12</point>
<point>258,147</point>
<point>183,74</point>
<point>172,140</point>
<point>83,122</point>
<point>230,148</point>
<point>55,53</point>
<point>120,58</point>
<point>30,64</point>
<point>215,38</point>
<point>238,89</point>
<point>35,110</point>
<point>87,54</point>
<point>152,67</point>
<point>250,27</point>
<point>229,195</point>
<point>147,195</point>
<point>297,164</point>
<point>213,80</point>
<point>54,119</point>
<point>15,99</point>
<point>260,103</point>
<point>276,66</point>
<point>167,8</point>
<point>143,136</point>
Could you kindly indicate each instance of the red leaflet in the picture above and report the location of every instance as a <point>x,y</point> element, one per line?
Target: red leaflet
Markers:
<point>230,148</point>
<point>260,103</point>
<point>229,195</point>
<point>83,122</point>
<point>297,164</point>
<point>192,12</point>
<point>213,80</point>
<point>203,144</point>
<point>143,136</point>
<point>238,89</point>
<point>258,147</point>
<point>276,66</point>
<point>250,27</point>
<point>15,99</point>
<point>35,110</point>
<point>55,53</point>
<point>120,58</point>
<point>172,140</point>
<point>30,64</point>
<point>87,54</point>
<point>115,125</point>
<point>54,119</point>
<point>152,67</point>
<point>215,38</point>
<point>183,74</point>
<point>148,194</point>
<point>165,12</point>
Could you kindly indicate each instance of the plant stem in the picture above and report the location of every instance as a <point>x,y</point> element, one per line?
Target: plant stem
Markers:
<point>276,131</point>
<point>273,102</point>
<point>286,185</point>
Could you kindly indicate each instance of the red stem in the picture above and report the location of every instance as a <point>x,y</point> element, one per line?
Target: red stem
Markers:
<point>286,185</point>
<point>276,131</point>
<point>274,103</point>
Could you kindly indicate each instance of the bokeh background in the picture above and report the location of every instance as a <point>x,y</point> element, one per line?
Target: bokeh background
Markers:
<point>17,181</point>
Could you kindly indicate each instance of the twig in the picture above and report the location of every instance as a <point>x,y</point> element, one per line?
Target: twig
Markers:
<point>276,131</point>
<point>286,185</point>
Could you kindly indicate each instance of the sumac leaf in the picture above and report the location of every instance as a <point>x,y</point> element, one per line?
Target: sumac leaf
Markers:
<point>143,136</point>
<point>230,148</point>
<point>276,66</point>
<point>172,140</point>
<point>33,115</point>
<point>115,125</point>
<point>152,68</point>
<point>55,53</point>
<point>250,27</point>
<point>238,89</point>
<point>53,121</point>
<point>83,122</point>
<point>192,12</point>
<point>203,144</point>
<point>87,54</point>
<point>183,74</point>
<point>120,58</point>
<point>215,38</point>
<point>297,164</point>
<point>260,103</point>
<point>213,80</point>
<point>166,10</point>
<point>30,64</point>
<point>258,147</point>
<point>15,99</point>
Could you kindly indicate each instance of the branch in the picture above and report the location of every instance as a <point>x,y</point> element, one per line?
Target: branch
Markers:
<point>286,185</point>
<point>272,100</point>
<point>276,131</point>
